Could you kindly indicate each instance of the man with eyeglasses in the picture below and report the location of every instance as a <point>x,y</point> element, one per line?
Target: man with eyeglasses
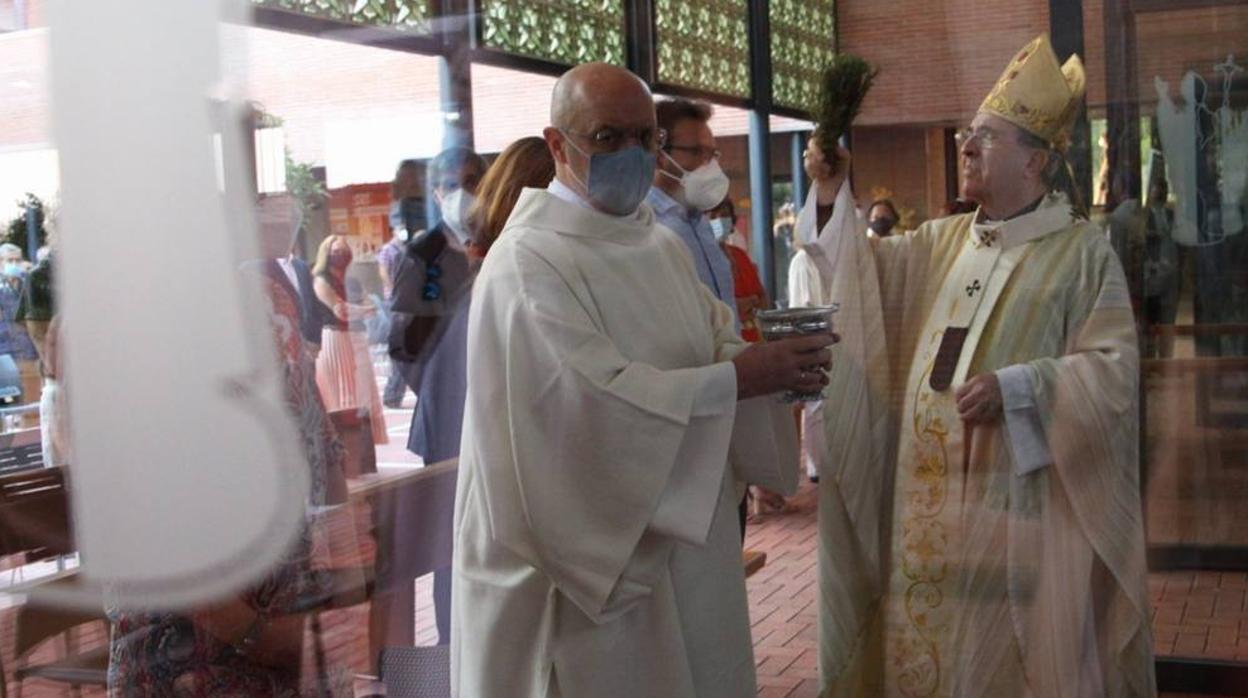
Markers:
<point>980,523</point>
<point>688,182</point>
<point>612,409</point>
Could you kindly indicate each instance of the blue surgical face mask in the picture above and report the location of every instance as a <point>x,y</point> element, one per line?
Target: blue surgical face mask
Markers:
<point>619,181</point>
<point>12,269</point>
<point>722,228</point>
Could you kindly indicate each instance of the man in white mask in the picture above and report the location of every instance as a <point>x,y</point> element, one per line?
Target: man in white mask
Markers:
<point>431,277</point>
<point>611,412</point>
<point>689,182</point>
<point>453,176</point>
<point>433,268</point>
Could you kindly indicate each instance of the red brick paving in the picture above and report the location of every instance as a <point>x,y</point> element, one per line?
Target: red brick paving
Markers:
<point>1200,614</point>
<point>782,600</point>
<point>1195,614</point>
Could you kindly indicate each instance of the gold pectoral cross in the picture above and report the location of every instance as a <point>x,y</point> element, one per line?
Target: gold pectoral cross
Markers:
<point>988,238</point>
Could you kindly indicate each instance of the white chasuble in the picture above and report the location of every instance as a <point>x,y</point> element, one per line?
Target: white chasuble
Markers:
<point>597,550</point>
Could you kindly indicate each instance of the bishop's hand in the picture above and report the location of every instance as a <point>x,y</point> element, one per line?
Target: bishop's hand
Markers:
<point>979,399</point>
<point>798,364</point>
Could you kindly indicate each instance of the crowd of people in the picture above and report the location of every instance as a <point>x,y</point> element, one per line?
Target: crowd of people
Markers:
<point>27,340</point>
<point>582,335</point>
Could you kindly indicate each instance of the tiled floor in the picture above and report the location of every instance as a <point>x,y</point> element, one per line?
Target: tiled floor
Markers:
<point>1200,614</point>
<point>1196,614</point>
<point>782,600</point>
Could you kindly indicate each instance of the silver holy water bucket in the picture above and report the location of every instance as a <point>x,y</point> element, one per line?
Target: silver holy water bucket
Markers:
<point>794,322</point>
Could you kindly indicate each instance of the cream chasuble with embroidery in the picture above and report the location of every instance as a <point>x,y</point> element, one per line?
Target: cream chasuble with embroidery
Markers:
<point>944,572</point>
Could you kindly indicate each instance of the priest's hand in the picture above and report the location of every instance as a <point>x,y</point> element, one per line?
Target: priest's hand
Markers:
<point>798,364</point>
<point>979,399</point>
<point>827,177</point>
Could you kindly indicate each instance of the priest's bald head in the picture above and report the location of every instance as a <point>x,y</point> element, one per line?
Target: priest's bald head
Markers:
<point>603,136</point>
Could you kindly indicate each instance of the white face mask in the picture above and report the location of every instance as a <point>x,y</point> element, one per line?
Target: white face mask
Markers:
<point>704,187</point>
<point>455,207</point>
<point>401,234</point>
<point>722,227</point>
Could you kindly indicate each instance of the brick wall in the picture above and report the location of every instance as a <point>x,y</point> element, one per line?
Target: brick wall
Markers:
<point>1168,44</point>
<point>937,58</point>
<point>1173,42</point>
<point>36,13</point>
<point>1094,52</point>
<point>892,161</point>
<point>316,84</point>
<point>24,114</point>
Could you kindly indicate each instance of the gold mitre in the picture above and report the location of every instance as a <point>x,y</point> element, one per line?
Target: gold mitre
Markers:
<point>1038,96</point>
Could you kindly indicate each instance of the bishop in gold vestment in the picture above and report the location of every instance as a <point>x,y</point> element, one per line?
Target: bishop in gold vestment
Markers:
<point>980,519</point>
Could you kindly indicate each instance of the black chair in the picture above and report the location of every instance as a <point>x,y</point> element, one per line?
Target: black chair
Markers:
<point>38,623</point>
<point>20,451</point>
<point>35,523</point>
<point>34,515</point>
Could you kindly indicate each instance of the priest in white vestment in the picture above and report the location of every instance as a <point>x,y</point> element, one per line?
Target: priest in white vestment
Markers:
<point>980,523</point>
<point>609,430</point>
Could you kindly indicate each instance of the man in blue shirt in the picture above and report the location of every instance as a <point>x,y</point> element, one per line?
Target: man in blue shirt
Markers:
<point>688,182</point>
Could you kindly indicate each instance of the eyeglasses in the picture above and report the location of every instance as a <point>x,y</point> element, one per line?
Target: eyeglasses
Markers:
<point>433,289</point>
<point>985,137</point>
<point>701,152</point>
<point>609,139</point>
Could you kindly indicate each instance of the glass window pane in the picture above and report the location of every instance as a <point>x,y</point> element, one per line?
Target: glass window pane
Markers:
<point>803,39</point>
<point>406,15</point>
<point>704,44</point>
<point>561,31</point>
<point>508,105</point>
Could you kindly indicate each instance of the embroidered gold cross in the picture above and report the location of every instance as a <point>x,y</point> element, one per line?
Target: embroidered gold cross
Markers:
<point>973,289</point>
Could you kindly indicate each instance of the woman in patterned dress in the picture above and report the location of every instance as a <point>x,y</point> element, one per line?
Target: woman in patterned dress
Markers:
<point>249,645</point>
